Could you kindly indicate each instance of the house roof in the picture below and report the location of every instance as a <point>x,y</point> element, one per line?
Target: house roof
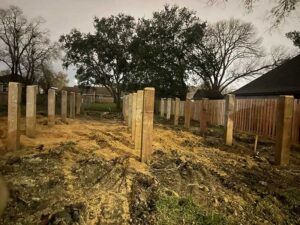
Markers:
<point>211,94</point>
<point>9,78</point>
<point>283,80</point>
<point>102,91</point>
<point>89,90</point>
<point>71,89</point>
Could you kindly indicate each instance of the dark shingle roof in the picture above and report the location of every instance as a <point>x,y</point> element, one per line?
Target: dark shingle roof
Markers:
<point>10,78</point>
<point>211,94</point>
<point>89,90</point>
<point>283,80</point>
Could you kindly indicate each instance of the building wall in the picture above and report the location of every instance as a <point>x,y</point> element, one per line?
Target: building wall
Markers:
<point>3,98</point>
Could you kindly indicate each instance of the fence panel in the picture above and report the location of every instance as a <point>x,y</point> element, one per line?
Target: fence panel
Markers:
<point>254,115</point>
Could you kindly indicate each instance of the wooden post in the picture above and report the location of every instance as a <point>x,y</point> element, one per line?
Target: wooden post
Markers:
<point>169,108</point>
<point>203,115</point>
<point>72,105</point>
<point>187,113</point>
<point>94,97</point>
<point>51,107</point>
<point>255,143</point>
<point>130,110</point>
<point>284,117</point>
<point>139,120</point>
<point>78,103</point>
<point>133,116</point>
<point>123,106</point>
<point>126,109</point>
<point>13,116</point>
<point>147,130</point>
<point>64,105</point>
<point>177,111</point>
<point>162,107</point>
<point>31,91</point>
<point>229,110</point>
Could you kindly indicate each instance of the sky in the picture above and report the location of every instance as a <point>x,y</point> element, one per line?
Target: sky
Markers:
<point>63,15</point>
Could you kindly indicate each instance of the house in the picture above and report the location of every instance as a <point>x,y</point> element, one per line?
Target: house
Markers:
<point>283,80</point>
<point>191,91</point>
<point>5,79</point>
<point>204,93</point>
<point>95,94</point>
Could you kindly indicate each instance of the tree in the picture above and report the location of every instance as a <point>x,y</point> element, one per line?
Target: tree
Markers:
<point>102,58</point>
<point>280,10</point>
<point>230,51</point>
<point>49,78</point>
<point>37,54</point>
<point>295,37</point>
<point>161,48</point>
<point>16,34</point>
<point>24,46</point>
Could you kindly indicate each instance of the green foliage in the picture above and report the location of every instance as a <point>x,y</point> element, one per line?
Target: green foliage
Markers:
<point>101,58</point>
<point>291,196</point>
<point>295,37</point>
<point>161,50</point>
<point>173,211</point>
<point>103,107</point>
<point>50,79</point>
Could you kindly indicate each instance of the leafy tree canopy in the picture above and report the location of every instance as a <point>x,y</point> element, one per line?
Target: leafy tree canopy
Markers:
<point>102,58</point>
<point>162,47</point>
<point>295,37</point>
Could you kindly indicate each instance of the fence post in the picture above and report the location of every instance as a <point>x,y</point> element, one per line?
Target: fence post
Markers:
<point>129,110</point>
<point>138,120</point>
<point>64,105</point>
<point>169,108</point>
<point>284,119</point>
<point>31,91</point>
<point>123,107</point>
<point>147,129</point>
<point>162,107</point>
<point>72,105</point>
<point>176,111</point>
<point>133,116</point>
<point>78,103</point>
<point>51,107</point>
<point>126,108</point>
<point>229,110</point>
<point>187,113</point>
<point>13,116</point>
<point>203,115</point>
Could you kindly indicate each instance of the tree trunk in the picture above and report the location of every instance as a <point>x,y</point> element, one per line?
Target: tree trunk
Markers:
<point>117,100</point>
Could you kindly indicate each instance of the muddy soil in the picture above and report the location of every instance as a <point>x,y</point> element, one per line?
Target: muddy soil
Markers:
<point>87,172</point>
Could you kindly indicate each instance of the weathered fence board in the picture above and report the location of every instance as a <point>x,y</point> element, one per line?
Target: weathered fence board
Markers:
<point>254,115</point>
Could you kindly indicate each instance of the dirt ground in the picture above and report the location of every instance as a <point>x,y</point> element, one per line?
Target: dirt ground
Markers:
<point>87,172</point>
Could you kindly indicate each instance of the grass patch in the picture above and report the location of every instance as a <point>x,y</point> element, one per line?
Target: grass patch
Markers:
<point>173,211</point>
<point>103,107</point>
<point>291,197</point>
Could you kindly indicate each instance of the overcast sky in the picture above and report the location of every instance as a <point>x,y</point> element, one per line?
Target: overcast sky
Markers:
<point>63,15</point>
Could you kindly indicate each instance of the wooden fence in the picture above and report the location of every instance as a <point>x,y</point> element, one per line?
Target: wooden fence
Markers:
<point>254,115</point>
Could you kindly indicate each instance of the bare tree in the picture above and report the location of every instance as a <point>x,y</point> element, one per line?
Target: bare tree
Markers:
<point>280,10</point>
<point>230,51</point>
<point>50,78</point>
<point>38,53</point>
<point>16,34</point>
